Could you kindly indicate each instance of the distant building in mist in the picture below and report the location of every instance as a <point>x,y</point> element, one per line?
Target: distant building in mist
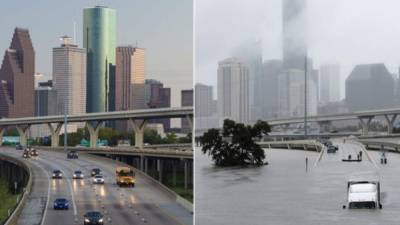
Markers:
<point>205,107</point>
<point>272,69</point>
<point>186,100</point>
<point>294,21</point>
<point>330,83</point>
<point>369,86</point>
<point>250,53</point>
<point>233,90</point>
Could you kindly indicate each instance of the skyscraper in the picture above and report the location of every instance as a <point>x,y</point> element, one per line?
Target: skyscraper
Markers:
<point>233,90</point>
<point>129,78</point>
<point>17,77</point>
<point>45,99</point>
<point>186,100</point>
<point>69,74</point>
<point>158,96</point>
<point>294,33</point>
<point>330,83</point>
<point>205,107</point>
<point>99,40</point>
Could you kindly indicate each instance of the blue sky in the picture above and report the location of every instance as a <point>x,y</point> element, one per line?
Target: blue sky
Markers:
<point>164,28</point>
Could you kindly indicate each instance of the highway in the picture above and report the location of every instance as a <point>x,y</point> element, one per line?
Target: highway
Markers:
<point>283,193</point>
<point>146,203</point>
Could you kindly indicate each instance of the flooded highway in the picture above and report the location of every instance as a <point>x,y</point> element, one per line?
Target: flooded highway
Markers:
<point>283,193</point>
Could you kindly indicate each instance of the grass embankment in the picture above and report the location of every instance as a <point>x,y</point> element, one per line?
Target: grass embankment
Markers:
<point>8,201</point>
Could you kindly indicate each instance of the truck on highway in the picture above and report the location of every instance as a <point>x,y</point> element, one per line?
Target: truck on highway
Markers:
<point>363,193</point>
<point>125,176</point>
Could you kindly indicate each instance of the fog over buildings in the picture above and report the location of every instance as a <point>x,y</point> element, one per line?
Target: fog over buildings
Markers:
<point>273,37</point>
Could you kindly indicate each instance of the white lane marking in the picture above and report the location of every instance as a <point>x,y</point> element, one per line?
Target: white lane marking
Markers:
<point>48,193</point>
<point>70,189</point>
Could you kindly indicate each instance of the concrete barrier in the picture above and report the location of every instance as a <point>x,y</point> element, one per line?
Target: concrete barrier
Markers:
<point>12,219</point>
<point>308,145</point>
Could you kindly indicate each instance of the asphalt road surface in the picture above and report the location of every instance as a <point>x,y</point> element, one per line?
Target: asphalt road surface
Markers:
<point>284,193</point>
<point>146,203</point>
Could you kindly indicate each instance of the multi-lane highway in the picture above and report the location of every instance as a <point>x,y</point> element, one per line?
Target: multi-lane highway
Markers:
<point>146,203</point>
<point>283,193</point>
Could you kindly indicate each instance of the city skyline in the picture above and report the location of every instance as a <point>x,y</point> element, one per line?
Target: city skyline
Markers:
<point>338,35</point>
<point>146,30</point>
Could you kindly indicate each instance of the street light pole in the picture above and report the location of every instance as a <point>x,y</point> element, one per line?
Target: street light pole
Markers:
<point>305,97</point>
<point>65,125</point>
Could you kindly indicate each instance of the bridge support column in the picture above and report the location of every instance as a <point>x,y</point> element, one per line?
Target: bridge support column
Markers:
<point>365,124</point>
<point>138,127</point>
<point>93,128</point>
<point>23,133</point>
<point>174,175</point>
<point>160,170</point>
<point>190,122</point>
<point>186,174</point>
<point>324,126</point>
<point>146,165</point>
<point>390,121</point>
<point>2,129</point>
<point>142,163</point>
<point>55,133</point>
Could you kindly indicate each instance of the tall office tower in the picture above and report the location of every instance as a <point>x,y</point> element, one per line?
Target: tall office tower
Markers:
<point>205,108</point>
<point>294,33</point>
<point>69,76</point>
<point>45,99</point>
<point>369,86</point>
<point>186,100</point>
<point>99,40</point>
<point>250,53</point>
<point>272,69</point>
<point>330,83</point>
<point>129,78</point>
<point>233,90</point>
<point>157,96</point>
<point>17,77</point>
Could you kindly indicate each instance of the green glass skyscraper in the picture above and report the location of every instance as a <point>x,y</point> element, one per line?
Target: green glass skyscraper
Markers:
<point>99,40</point>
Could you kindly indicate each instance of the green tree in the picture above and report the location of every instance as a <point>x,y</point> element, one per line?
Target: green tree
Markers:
<point>236,145</point>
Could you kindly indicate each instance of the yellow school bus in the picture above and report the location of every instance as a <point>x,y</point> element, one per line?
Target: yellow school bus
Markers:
<point>125,176</point>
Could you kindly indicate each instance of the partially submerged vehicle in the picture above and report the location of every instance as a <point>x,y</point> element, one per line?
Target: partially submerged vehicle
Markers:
<point>363,192</point>
<point>332,149</point>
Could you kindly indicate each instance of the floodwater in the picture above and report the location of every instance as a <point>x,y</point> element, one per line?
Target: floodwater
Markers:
<point>283,193</point>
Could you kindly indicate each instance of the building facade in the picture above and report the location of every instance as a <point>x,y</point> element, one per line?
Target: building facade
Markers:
<point>369,86</point>
<point>17,77</point>
<point>69,77</point>
<point>330,83</point>
<point>158,96</point>
<point>129,78</point>
<point>99,40</point>
<point>233,90</point>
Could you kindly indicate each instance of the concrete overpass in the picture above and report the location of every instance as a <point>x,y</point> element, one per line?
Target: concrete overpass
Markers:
<point>365,118</point>
<point>137,118</point>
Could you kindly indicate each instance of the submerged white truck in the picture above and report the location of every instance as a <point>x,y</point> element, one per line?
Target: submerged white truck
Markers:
<point>363,194</point>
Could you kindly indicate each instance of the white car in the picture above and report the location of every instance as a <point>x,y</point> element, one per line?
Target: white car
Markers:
<point>363,194</point>
<point>98,179</point>
<point>78,175</point>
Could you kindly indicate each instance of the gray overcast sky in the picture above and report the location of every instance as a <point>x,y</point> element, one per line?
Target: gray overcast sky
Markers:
<point>347,32</point>
<point>164,28</point>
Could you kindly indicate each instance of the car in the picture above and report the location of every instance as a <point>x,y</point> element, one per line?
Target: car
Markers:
<point>332,149</point>
<point>98,179</point>
<point>93,218</point>
<point>57,174</point>
<point>61,203</point>
<point>95,171</point>
<point>72,155</point>
<point>19,147</point>
<point>26,155</point>
<point>34,152</point>
<point>77,175</point>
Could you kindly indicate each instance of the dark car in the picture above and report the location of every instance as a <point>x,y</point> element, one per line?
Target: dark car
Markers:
<point>19,147</point>
<point>61,203</point>
<point>34,152</point>
<point>72,155</point>
<point>77,175</point>
<point>57,174</point>
<point>332,149</point>
<point>95,171</point>
<point>26,154</point>
<point>93,217</point>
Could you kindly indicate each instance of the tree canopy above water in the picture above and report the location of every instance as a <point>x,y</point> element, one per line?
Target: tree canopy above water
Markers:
<point>235,145</point>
